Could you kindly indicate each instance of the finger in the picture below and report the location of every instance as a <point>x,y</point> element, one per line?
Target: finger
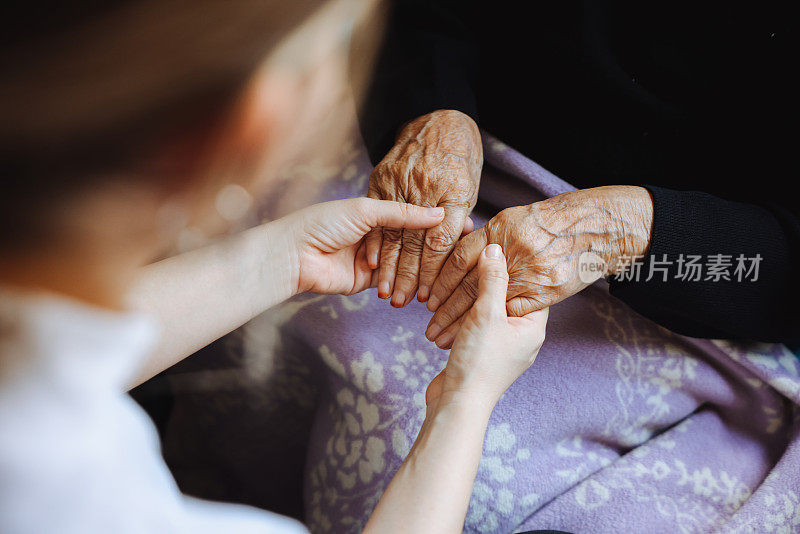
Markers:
<point>521,306</point>
<point>405,282</point>
<point>448,336</point>
<point>461,261</point>
<point>492,282</point>
<point>362,271</point>
<point>373,241</point>
<point>393,214</point>
<point>469,226</point>
<point>373,281</point>
<point>424,291</point>
<point>390,253</point>
<point>486,287</point>
<point>384,243</point>
<point>439,241</point>
<point>455,306</point>
<point>374,236</point>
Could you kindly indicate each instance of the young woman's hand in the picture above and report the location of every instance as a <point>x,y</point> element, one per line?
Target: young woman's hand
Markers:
<point>430,492</point>
<point>327,240</point>
<point>490,350</point>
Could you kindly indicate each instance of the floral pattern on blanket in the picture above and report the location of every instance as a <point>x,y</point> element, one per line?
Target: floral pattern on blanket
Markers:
<point>376,406</point>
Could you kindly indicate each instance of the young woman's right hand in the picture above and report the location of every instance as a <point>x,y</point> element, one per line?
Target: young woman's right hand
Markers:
<point>491,350</point>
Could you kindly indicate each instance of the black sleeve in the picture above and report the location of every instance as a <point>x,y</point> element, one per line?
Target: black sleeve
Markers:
<point>427,62</point>
<point>693,223</point>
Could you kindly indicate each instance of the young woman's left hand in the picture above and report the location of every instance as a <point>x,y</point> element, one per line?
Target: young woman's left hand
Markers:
<point>327,240</point>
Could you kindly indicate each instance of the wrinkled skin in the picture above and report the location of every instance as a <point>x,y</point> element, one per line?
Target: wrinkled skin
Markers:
<point>542,243</point>
<point>436,161</point>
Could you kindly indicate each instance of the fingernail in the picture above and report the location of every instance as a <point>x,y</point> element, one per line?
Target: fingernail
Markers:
<point>444,340</point>
<point>433,331</point>
<point>373,261</point>
<point>398,299</point>
<point>383,290</point>
<point>433,303</point>
<point>435,212</point>
<point>494,251</point>
<point>422,293</point>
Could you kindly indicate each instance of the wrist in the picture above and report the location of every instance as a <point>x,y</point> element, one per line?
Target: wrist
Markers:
<point>477,403</point>
<point>279,258</point>
<point>632,208</point>
<point>613,222</point>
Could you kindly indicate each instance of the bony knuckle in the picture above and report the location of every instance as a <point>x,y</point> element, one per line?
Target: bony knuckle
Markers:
<point>383,168</point>
<point>504,217</point>
<point>450,233</point>
<point>395,168</point>
<point>412,241</point>
<point>379,183</point>
<point>506,221</point>
<point>404,279</point>
<point>447,317</point>
<point>406,271</point>
<point>412,249</point>
<point>392,236</point>
<point>459,259</point>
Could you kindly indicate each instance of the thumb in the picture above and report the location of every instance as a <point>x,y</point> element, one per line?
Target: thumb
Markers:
<point>397,214</point>
<point>492,281</point>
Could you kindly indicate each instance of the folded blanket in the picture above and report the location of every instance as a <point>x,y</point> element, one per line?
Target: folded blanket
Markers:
<point>619,425</point>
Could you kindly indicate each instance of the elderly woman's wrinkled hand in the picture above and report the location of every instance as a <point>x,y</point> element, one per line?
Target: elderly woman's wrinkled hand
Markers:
<point>436,161</point>
<point>543,243</point>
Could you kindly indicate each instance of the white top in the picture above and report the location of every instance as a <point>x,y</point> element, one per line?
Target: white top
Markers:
<point>77,454</point>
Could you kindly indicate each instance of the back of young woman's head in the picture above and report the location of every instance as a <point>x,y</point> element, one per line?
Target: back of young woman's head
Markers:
<point>92,92</point>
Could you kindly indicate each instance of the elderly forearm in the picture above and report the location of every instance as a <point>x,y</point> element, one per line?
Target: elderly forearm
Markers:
<point>202,295</point>
<point>431,490</point>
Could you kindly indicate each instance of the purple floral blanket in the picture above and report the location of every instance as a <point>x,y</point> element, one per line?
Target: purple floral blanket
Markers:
<point>620,425</point>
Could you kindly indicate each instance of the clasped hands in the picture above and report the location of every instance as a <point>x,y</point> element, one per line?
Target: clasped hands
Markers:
<point>326,248</point>
<point>489,289</point>
<point>436,161</point>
